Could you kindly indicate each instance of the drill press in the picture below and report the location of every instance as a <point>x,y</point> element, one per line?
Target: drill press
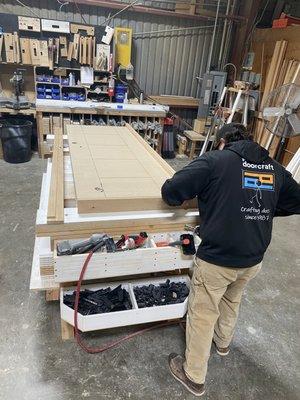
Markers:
<point>18,100</point>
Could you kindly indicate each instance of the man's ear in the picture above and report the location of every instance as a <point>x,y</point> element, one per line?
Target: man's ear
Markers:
<point>222,144</point>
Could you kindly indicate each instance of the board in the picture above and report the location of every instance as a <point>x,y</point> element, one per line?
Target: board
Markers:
<point>114,169</point>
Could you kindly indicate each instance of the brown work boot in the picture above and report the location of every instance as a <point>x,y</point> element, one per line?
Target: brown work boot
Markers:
<point>176,368</point>
<point>222,351</point>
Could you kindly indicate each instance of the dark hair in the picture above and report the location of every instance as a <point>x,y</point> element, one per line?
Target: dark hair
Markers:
<point>232,132</point>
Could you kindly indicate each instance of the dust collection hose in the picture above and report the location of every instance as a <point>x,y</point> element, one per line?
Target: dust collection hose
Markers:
<point>95,350</point>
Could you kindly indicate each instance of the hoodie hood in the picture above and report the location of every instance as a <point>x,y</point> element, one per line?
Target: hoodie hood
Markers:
<point>250,151</point>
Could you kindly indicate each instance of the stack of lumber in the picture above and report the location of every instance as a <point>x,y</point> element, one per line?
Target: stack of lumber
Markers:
<point>281,70</point>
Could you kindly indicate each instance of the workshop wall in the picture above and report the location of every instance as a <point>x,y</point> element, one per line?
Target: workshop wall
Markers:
<point>165,63</point>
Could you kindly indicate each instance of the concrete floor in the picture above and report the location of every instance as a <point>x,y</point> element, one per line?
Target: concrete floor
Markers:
<point>35,364</point>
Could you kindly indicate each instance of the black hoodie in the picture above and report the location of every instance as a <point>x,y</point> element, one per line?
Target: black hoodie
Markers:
<point>239,190</point>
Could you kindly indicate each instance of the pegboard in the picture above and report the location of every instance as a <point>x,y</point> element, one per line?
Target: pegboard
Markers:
<point>9,24</point>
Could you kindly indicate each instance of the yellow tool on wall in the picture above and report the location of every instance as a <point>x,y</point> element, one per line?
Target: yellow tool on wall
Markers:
<point>123,41</point>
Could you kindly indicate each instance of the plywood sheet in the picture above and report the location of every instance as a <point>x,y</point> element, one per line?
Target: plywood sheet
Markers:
<point>114,169</point>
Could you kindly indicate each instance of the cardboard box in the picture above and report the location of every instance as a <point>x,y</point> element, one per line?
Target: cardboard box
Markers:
<point>199,125</point>
<point>186,8</point>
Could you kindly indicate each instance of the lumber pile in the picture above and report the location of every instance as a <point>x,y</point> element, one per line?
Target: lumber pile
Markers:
<point>281,71</point>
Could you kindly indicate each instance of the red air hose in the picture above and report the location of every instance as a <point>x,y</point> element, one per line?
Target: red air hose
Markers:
<point>94,350</point>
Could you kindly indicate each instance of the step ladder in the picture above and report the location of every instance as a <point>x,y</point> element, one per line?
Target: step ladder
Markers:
<point>235,96</point>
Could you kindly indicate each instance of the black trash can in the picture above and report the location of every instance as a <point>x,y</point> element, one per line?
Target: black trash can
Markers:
<point>16,140</point>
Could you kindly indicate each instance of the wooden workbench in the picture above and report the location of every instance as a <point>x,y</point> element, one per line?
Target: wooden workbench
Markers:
<point>59,218</point>
<point>194,138</point>
<point>54,118</point>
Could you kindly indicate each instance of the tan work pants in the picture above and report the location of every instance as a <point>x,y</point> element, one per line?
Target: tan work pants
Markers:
<point>214,300</point>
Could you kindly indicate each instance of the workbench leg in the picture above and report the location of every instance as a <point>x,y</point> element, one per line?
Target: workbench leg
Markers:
<point>40,137</point>
<point>52,295</point>
<point>192,152</point>
<point>67,330</point>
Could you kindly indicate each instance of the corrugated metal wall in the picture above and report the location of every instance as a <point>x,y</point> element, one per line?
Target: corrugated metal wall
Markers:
<point>165,63</point>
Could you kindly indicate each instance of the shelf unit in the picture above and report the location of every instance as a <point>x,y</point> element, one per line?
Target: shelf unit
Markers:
<point>51,121</point>
<point>59,89</point>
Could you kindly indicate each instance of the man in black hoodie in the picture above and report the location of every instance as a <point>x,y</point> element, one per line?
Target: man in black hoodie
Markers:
<point>239,191</point>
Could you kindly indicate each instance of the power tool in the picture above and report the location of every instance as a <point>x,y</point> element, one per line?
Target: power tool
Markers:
<point>186,242</point>
<point>129,242</point>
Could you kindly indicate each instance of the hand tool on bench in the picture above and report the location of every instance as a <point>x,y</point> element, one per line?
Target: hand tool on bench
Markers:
<point>186,242</point>
<point>68,248</point>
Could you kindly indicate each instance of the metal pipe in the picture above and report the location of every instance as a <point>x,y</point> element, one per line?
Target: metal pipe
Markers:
<point>172,30</point>
<point>204,3</point>
<point>234,107</point>
<point>245,113</point>
<point>213,39</point>
<point>223,35</point>
<point>213,124</point>
<point>228,36</point>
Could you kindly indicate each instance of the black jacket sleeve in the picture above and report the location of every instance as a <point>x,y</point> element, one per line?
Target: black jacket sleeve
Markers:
<point>289,197</point>
<point>187,183</point>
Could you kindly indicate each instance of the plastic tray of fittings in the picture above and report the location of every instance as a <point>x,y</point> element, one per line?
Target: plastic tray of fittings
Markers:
<point>136,314</point>
<point>130,262</point>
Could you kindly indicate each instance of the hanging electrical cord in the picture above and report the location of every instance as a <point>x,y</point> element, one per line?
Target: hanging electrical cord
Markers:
<point>257,20</point>
<point>62,4</point>
<point>24,5</point>
<point>213,39</point>
<point>172,30</point>
<point>78,9</point>
<point>117,13</point>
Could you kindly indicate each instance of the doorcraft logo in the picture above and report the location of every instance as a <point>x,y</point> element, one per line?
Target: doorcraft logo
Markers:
<point>259,182</point>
